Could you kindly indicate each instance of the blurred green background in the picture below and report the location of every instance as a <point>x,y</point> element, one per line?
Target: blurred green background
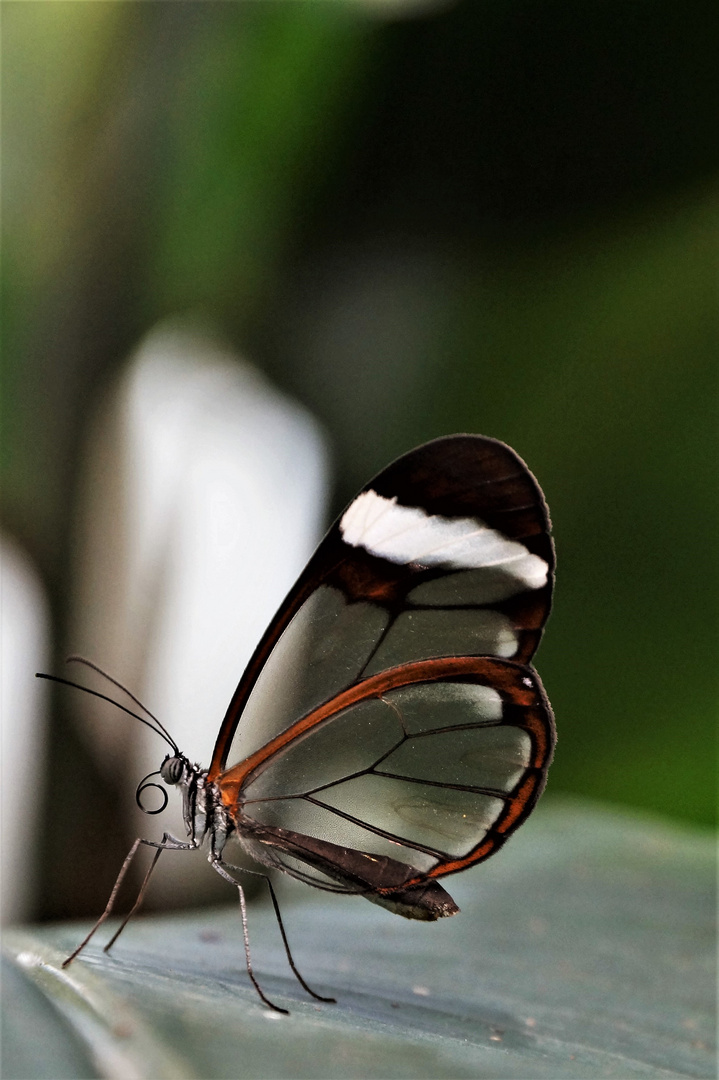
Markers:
<point>418,219</point>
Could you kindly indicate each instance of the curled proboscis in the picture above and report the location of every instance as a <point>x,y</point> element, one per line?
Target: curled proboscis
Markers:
<point>142,786</point>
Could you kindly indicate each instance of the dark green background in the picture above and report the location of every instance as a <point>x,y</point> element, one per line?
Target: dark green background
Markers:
<point>486,217</point>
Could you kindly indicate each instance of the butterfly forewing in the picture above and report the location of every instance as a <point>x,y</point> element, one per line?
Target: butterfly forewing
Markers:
<point>389,709</point>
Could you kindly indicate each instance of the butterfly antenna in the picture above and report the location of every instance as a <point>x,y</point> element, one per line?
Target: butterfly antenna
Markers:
<point>158,730</point>
<point>76,659</point>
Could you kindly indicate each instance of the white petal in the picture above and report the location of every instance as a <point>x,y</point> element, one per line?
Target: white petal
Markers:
<point>207,498</point>
<point>24,642</point>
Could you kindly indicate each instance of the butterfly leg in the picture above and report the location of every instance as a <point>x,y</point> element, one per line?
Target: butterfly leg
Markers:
<point>217,864</point>
<point>167,842</point>
<point>285,942</point>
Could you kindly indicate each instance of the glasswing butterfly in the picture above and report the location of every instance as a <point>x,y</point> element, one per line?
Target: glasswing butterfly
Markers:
<point>389,729</point>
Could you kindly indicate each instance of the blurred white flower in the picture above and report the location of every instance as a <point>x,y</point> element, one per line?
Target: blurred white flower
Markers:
<point>24,647</point>
<point>204,497</point>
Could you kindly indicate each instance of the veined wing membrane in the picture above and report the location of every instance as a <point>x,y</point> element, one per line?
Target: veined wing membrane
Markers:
<point>323,651</point>
<point>446,552</point>
<point>391,781</point>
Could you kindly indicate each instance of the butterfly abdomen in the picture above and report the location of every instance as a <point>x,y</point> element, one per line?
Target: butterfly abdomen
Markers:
<point>372,876</point>
<point>427,902</point>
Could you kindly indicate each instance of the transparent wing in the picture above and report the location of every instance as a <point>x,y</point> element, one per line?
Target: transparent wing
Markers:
<point>445,553</point>
<point>432,764</point>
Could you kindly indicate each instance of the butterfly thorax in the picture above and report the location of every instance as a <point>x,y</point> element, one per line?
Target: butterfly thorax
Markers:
<point>203,812</point>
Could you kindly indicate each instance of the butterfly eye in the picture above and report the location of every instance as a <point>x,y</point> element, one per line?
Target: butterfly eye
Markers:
<point>171,770</point>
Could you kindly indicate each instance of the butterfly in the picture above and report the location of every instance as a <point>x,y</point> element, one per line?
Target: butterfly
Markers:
<point>389,730</point>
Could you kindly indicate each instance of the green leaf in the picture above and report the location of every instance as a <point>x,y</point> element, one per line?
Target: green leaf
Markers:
<point>585,949</point>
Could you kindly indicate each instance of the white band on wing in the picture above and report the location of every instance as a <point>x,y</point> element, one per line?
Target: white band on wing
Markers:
<point>406,534</point>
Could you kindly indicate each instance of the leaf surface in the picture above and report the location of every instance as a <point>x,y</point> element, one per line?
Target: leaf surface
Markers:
<point>586,949</point>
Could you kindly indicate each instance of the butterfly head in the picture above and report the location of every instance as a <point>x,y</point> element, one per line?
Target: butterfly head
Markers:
<point>174,769</point>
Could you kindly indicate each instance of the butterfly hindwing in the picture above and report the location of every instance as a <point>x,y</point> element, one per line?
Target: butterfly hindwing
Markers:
<point>432,764</point>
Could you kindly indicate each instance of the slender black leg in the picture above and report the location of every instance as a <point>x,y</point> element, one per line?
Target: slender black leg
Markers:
<point>285,942</point>
<point>243,914</point>
<point>167,841</point>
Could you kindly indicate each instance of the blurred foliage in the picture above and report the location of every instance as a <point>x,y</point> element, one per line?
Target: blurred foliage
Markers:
<point>480,216</point>
<point>260,100</point>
